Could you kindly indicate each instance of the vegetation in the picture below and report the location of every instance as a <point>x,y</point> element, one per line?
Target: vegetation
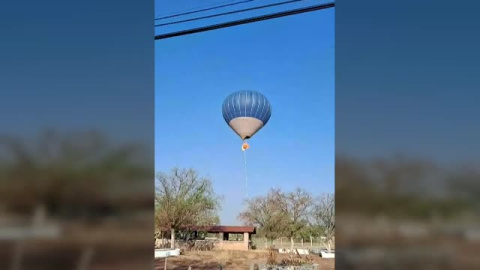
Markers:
<point>323,218</point>
<point>72,175</point>
<point>404,187</point>
<point>296,206</point>
<point>292,214</point>
<point>265,213</point>
<point>183,199</point>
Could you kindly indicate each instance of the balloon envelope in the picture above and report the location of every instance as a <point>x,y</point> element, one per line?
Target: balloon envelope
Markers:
<point>246,112</point>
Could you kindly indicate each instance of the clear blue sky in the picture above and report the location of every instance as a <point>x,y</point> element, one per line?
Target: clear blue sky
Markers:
<point>79,74</point>
<point>290,60</point>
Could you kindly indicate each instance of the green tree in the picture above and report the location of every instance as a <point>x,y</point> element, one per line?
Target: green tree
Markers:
<point>309,232</point>
<point>184,199</point>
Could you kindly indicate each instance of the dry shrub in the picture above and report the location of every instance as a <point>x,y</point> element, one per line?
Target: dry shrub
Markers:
<point>296,260</point>
<point>272,256</point>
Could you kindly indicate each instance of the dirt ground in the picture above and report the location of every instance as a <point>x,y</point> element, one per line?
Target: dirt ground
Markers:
<point>229,260</point>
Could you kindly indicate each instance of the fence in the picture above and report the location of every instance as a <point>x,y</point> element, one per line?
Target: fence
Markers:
<point>278,267</point>
<point>196,245</point>
<point>315,242</point>
<point>257,243</point>
<point>255,266</point>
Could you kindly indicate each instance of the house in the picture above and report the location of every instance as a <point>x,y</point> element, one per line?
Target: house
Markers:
<point>227,237</point>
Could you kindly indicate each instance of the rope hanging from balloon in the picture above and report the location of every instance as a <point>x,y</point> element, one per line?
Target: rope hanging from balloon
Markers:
<point>246,175</point>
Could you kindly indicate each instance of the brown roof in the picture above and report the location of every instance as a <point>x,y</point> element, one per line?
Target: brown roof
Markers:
<point>225,229</point>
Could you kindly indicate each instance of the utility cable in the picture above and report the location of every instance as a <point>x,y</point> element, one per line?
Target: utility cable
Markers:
<point>229,13</point>
<point>245,21</point>
<point>205,9</point>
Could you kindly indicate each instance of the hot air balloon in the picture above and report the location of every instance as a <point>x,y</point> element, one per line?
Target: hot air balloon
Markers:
<point>246,112</point>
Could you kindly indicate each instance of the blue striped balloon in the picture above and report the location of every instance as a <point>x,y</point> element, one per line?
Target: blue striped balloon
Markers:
<point>246,112</point>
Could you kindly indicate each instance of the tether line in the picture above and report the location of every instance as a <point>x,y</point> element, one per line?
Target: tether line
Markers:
<point>246,177</point>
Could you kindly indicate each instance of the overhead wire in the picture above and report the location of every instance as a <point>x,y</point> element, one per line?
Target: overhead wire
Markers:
<point>160,16</point>
<point>229,13</point>
<point>245,21</point>
<point>204,9</point>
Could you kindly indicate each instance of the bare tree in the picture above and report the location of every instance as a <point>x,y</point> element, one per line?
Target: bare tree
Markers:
<point>265,213</point>
<point>184,199</point>
<point>279,214</point>
<point>323,214</point>
<point>296,206</point>
<point>75,175</point>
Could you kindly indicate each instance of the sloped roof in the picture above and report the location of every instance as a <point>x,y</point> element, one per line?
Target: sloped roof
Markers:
<point>225,229</point>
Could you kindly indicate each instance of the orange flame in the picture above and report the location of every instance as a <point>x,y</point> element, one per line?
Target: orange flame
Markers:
<point>245,146</point>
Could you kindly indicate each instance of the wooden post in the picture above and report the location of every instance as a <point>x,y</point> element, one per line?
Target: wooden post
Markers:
<point>162,236</point>
<point>302,241</point>
<point>85,258</point>
<point>311,242</point>
<point>281,242</point>
<point>172,238</point>
<point>165,267</point>
<point>17,255</point>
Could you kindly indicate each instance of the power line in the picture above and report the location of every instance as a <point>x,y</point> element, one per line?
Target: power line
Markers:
<point>196,7</point>
<point>230,12</point>
<point>244,21</point>
<point>205,9</point>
